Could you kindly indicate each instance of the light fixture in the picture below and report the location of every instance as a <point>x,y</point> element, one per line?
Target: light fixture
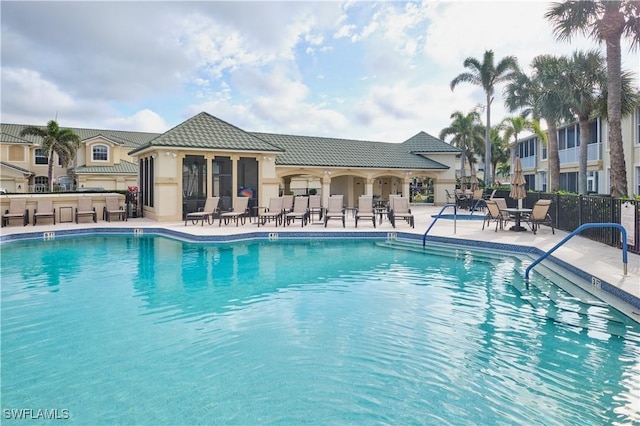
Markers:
<point>171,154</point>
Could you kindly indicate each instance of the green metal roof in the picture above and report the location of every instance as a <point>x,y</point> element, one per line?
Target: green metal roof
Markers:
<point>19,169</point>
<point>10,138</point>
<point>425,143</point>
<point>11,134</point>
<point>329,152</point>
<point>208,132</point>
<point>124,167</point>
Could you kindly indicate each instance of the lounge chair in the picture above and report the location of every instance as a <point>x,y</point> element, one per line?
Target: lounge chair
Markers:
<point>113,208</point>
<point>206,213</point>
<point>365,209</point>
<point>401,210</point>
<point>494,214</point>
<point>300,211</point>
<point>273,212</point>
<point>287,203</point>
<point>335,209</point>
<point>17,209</point>
<point>238,213</point>
<point>44,209</point>
<point>85,208</point>
<point>315,206</point>
<point>540,216</point>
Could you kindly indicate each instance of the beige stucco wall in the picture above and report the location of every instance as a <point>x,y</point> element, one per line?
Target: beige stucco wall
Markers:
<point>67,201</point>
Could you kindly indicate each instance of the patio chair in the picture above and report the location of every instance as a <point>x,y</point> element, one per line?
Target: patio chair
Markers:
<point>401,210</point>
<point>17,209</point>
<point>315,206</point>
<point>206,213</point>
<point>494,214</point>
<point>462,201</point>
<point>335,209</point>
<point>85,208</point>
<point>273,212</point>
<point>44,210</point>
<point>300,211</point>
<point>238,213</point>
<point>113,207</point>
<point>287,203</point>
<point>365,209</point>
<point>451,199</point>
<point>540,216</point>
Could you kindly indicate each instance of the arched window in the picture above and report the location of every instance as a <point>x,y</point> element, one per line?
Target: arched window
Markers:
<point>99,153</point>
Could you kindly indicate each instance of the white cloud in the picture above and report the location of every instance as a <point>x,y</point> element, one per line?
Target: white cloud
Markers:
<point>142,121</point>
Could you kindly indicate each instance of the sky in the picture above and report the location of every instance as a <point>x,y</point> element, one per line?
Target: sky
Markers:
<point>364,70</point>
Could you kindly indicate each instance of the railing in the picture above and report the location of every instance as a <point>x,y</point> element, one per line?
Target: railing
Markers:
<point>455,214</point>
<point>577,231</point>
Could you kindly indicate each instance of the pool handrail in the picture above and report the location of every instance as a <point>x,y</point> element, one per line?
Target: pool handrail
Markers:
<point>475,205</point>
<point>436,217</point>
<point>577,231</point>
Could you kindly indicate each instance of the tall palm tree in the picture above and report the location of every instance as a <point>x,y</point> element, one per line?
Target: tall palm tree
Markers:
<point>487,75</point>
<point>606,21</point>
<point>63,142</point>
<point>586,81</point>
<point>541,96</point>
<point>466,131</point>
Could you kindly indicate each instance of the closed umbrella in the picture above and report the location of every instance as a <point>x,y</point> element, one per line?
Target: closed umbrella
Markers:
<point>518,191</point>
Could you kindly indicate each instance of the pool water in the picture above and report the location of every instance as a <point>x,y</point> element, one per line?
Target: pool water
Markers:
<point>150,330</point>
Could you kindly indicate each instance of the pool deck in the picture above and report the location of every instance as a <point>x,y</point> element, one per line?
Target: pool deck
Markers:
<point>593,258</point>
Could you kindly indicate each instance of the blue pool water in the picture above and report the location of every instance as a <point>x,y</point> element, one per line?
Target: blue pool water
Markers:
<point>149,330</point>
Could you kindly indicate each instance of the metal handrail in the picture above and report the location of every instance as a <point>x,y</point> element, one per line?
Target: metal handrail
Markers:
<point>577,231</point>
<point>475,206</point>
<point>455,215</point>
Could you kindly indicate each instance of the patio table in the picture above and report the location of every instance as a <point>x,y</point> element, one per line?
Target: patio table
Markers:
<point>517,215</point>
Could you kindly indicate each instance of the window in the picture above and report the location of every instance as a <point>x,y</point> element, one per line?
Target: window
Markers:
<point>562,139</point>
<point>571,137</point>
<point>99,153</point>
<point>41,157</point>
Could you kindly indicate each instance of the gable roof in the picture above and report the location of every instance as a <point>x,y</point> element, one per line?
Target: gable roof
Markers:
<point>16,168</point>
<point>121,168</point>
<point>424,143</point>
<point>10,133</point>
<point>208,132</point>
<point>321,151</point>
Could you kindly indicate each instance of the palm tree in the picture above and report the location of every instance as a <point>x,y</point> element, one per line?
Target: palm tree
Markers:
<point>513,126</point>
<point>466,130</point>
<point>499,150</point>
<point>63,142</point>
<point>487,75</point>
<point>586,81</point>
<point>606,21</point>
<point>541,96</point>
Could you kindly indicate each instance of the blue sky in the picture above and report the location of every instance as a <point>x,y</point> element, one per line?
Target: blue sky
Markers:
<point>354,69</point>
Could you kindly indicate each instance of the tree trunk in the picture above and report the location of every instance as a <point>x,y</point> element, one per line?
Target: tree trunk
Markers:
<point>611,27</point>
<point>553,157</point>
<point>50,171</point>
<point>487,146</point>
<point>582,159</point>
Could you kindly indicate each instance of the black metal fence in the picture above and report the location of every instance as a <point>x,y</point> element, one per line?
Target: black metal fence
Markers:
<point>569,211</point>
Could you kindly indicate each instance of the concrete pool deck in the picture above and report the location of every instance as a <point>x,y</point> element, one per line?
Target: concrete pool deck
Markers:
<point>593,258</point>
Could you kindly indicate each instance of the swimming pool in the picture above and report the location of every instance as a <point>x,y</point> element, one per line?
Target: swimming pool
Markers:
<point>150,330</point>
